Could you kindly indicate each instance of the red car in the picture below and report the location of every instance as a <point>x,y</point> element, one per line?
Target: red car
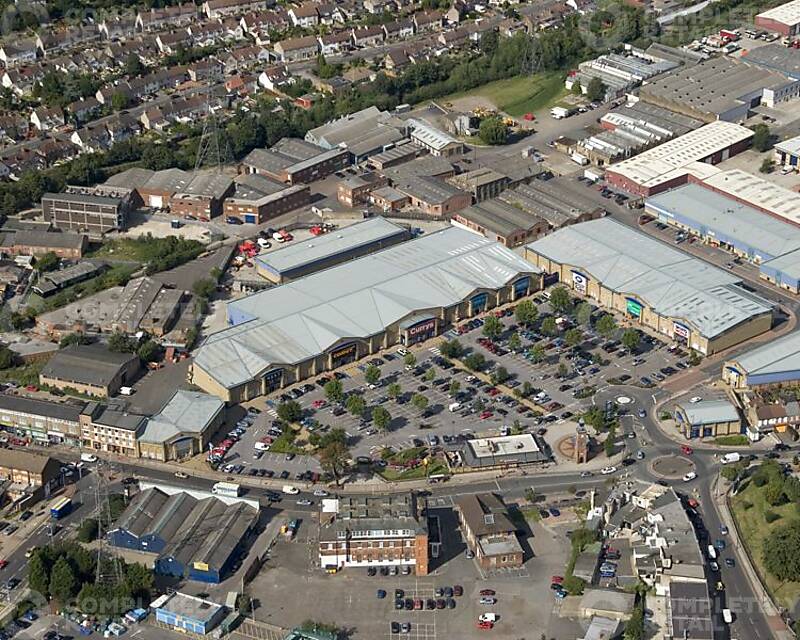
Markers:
<point>3,564</point>
<point>31,387</point>
<point>686,450</point>
<point>485,625</point>
<point>557,579</point>
<point>693,503</point>
<point>494,391</point>
<point>486,414</point>
<point>318,403</point>
<point>487,592</point>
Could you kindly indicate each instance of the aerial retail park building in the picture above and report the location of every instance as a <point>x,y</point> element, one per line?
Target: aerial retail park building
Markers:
<point>653,284</point>
<point>404,294</point>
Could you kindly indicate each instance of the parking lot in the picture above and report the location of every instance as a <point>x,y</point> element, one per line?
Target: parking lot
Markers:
<point>295,589</point>
<point>560,382</point>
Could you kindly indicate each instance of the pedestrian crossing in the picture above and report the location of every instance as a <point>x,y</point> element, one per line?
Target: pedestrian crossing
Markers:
<point>435,351</point>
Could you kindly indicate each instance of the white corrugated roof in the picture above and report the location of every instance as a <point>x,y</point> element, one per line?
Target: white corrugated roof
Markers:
<point>788,14</point>
<point>296,321</point>
<point>674,284</point>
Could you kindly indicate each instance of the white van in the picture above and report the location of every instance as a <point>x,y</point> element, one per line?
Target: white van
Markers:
<point>126,391</point>
<point>88,457</point>
<point>454,406</point>
<point>488,617</point>
<point>292,491</point>
<point>727,616</point>
<point>712,552</point>
<point>261,446</point>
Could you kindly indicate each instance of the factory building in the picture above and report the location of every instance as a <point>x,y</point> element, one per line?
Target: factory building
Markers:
<point>653,284</point>
<point>404,294</point>
<point>670,164</point>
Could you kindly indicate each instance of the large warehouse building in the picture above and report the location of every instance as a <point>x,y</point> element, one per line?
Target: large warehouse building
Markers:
<point>653,284</point>
<point>193,534</point>
<point>739,228</point>
<point>404,294</point>
<point>303,258</point>
<point>783,19</point>
<point>774,364</point>
<point>670,164</point>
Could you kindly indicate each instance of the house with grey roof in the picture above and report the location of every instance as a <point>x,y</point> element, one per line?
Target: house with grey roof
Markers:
<point>708,418</point>
<point>90,369</point>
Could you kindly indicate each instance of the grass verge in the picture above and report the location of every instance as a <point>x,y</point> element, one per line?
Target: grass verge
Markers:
<point>750,509</point>
<point>520,95</point>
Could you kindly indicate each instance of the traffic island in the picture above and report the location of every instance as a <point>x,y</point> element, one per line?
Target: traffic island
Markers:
<point>671,467</point>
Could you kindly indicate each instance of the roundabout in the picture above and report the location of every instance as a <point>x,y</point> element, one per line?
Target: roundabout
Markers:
<point>671,467</point>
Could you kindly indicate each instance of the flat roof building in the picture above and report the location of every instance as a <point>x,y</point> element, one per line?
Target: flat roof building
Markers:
<point>374,530</point>
<point>719,88</point>
<point>403,294</point>
<point>654,284</point>
<point>503,451</point>
<point>783,19</point>
<point>668,165</point>
<point>689,613</point>
<point>187,614</point>
<point>757,192</point>
<point>707,419</point>
<point>774,364</point>
<point>91,213</point>
<point>304,258</point>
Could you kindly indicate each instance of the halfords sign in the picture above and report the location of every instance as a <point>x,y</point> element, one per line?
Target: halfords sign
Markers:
<point>425,326</point>
<point>344,351</point>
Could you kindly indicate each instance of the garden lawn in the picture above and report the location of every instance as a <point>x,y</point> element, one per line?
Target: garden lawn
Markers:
<point>754,529</point>
<point>520,95</point>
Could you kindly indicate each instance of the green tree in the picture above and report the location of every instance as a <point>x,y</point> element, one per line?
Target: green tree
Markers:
<point>429,375</point>
<point>493,131</point>
<point>596,90</point>
<point>526,313</point>
<point>767,165</point>
<point>791,487</point>
<point>630,339</point>
<point>762,141</point>
<point>119,101</point>
<point>48,262</point>
<point>574,585</point>
<point>149,351</point>
<point>475,361</point>
<point>583,313</point>
<point>7,358</point>
<point>606,325</point>
<point>549,326</point>
<point>514,342</point>
<point>492,327</point>
<point>381,418</point>
<point>290,411</point>
<point>562,370</point>
<point>608,443</point>
<point>536,353</point>
<point>560,300</point>
<point>63,582</point>
<point>88,531</point>
<point>634,627</point>
<point>134,66</point>
<point>451,348</point>
<point>410,360</point>
<point>333,457</point>
<point>781,552</point>
<point>204,288</point>
<point>118,342</point>
<point>38,573</point>
<point>394,390</point>
<point>334,390</point>
<point>500,375</point>
<point>74,338</point>
<point>372,374</point>
<point>355,405</point>
<point>20,320</point>
<point>419,401</point>
<point>773,492</point>
<point>454,388</point>
<point>527,389</point>
<point>573,337</point>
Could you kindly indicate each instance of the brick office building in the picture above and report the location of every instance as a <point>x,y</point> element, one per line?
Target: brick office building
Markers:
<point>364,531</point>
<point>488,530</point>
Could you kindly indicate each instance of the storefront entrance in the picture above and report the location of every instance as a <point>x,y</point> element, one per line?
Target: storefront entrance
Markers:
<point>419,331</point>
<point>344,355</point>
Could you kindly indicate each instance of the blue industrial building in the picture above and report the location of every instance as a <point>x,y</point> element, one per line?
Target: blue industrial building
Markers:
<point>721,221</point>
<point>776,363</point>
<point>708,419</point>
<point>192,536</point>
<point>185,613</point>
